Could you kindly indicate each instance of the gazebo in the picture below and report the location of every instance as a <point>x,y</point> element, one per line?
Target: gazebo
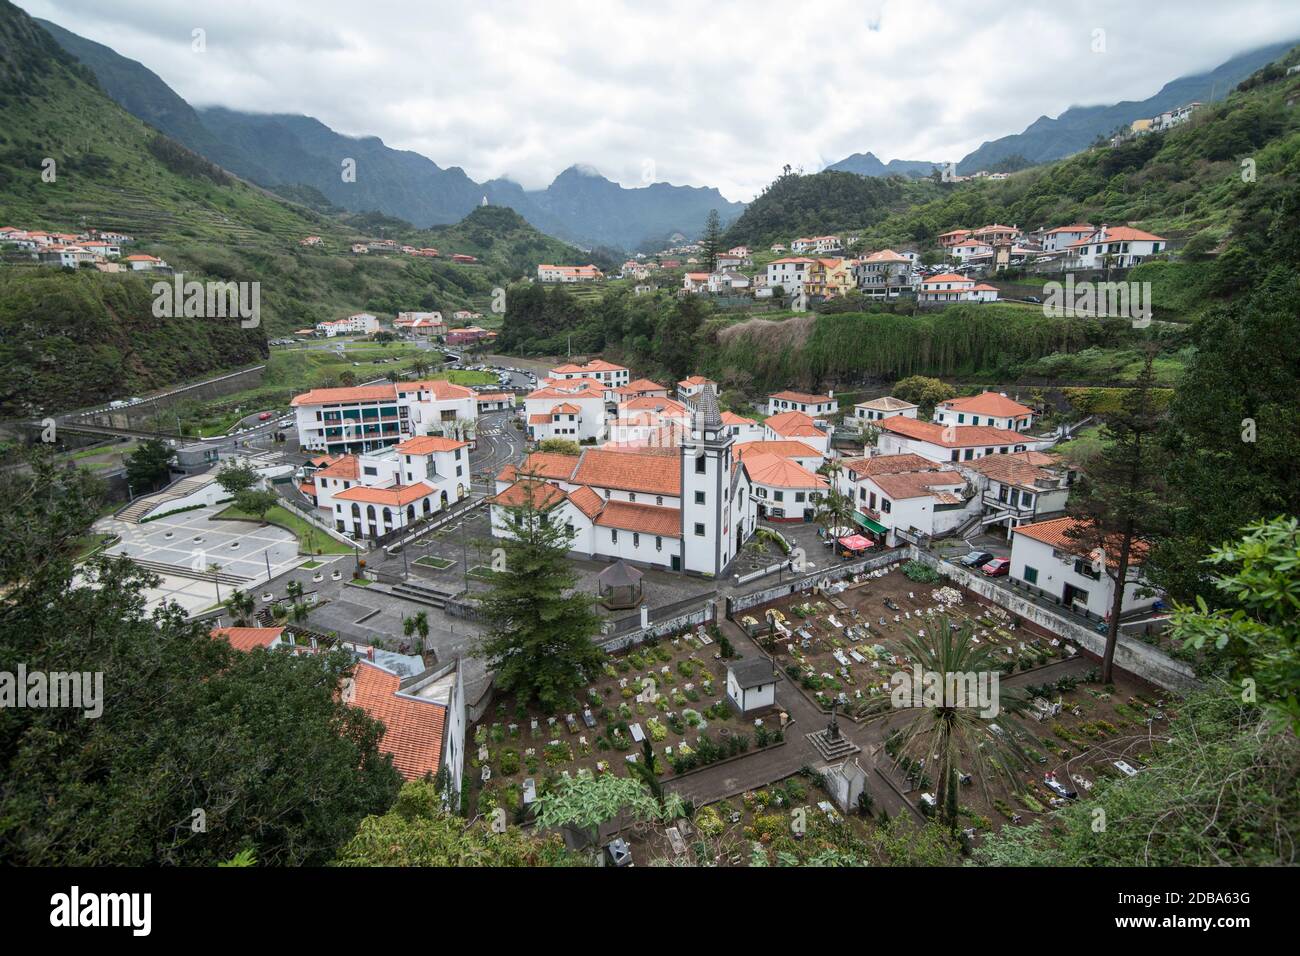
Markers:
<point>620,585</point>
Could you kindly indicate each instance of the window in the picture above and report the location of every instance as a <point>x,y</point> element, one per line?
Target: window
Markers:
<point>631,496</point>
<point>884,505</point>
<point>659,499</point>
<point>700,465</point>
<point>636,540</point>
<point>613,535</point>
<point>779,495</point>
<point>699,497</point>
<point>798,496</point>
<point>1031,575</point>
<point>659,543</point>
<point>699,529</point>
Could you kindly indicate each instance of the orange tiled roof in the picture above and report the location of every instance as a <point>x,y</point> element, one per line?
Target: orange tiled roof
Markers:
<point>543,495</point>
<point>392,495</point>
<point>988,403</point>
<point>887,464</point>
<point>806,398</point>
<point>780,448</point>
<point>1015,468</point>
<point>428,444</point>
<point>777,472</point>
<point>917,484</point>
<point>358,393</point>
<point>413,727</point>
<point>1053,532</point>
<point>963,436</point>
<point>794,424</point>
<point>731,418</point>
<point>346,467</point>
<point>247,638</point>
<point>548,464</point>
<point>441,389</point>
<point>586,500</point>
<point>630,471</point>
<point>647,519</point>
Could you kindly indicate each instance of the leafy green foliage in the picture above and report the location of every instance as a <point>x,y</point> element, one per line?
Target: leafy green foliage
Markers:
<point>419,831</point>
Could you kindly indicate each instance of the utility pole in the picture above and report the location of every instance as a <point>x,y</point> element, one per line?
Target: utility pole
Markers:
<point>267,556</point>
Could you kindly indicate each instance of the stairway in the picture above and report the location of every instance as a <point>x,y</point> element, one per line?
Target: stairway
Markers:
<point>137,509</point>
<point>422,594</point>
<point>837,748</point>
<point>181,571</point>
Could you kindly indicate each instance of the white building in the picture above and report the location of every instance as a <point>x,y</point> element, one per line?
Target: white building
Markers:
<point>796,426</point>
<point>143,263</point>
<point>1045,558</point>
<point>363,323</point>
<point>884,275</point>
<point>549,273</point>
<point>788,274</point>
<point>607,373</point>
<point>784,490</point>
<point>905,495</point>
<point>810,404</point>
<point>951,287</point>
<point>743,429</point>
<point>1062,237</point>
<point>865,413</point>
<point>943,443</point>
<point>1120,247</point>
<point>565,408</point>
<point>988,408</point>
<point>726,282</point>
<point>751,684</point>
<point>367,417</point>
<point>685,509</point>
<point>691,386</point>
<point>375,493</point>
<point>1020,488</point>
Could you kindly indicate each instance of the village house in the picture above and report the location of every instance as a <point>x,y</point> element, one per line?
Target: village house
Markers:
<point>366,417</point>
<point>950,287</point>
<point>688,388</point>
<point>729,260</point>
<point>884,407</point>
<point>727,282</point>
<point>884,274</point>
<point>572,408</point>
<point>943,443</point>
<point>1119,247</point>
<point>420,323</point>
<point>809,404</point>
<point>1062,237</point>
<point>951,238</point>
<point>796,426</point>
<point>1046,559</point>
<point>742,429</point>
<point>829,278</point>
<point>143,263</point>
<point>970,250</point>
<point>468,336</point>
<point>1020,488</point>
<point>684,509</point>
<point>362,323</point>
<point>549,273</point>
<point>987,408</point>
<point>801,453</point>
<point>375,493</point>
<point>695,282</point>
<point>311,241</point>
<point>904,496</point>
<point>788,274</point>
<point>606,373</point>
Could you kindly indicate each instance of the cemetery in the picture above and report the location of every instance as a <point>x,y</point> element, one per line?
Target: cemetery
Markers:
<point>840,647</point>
<point>668,693</point>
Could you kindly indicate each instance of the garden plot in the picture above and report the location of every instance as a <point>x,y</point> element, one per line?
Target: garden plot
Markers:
<point>670,693</point>
<point>843,644</point>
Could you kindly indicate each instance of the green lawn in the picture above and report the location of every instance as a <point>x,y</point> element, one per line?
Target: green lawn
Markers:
<point>310,538</point>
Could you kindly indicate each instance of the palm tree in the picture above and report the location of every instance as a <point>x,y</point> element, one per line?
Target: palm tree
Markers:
<point>948,733</point>
<point>834,511</point>
<point>240,604</point>
<point>418,624</point>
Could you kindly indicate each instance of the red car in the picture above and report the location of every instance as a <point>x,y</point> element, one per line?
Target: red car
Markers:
<point>997,567</point>
<point>265,416</point>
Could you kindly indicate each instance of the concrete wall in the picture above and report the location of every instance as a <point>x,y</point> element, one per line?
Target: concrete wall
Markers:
<point>834,573</point>
<point>1134,656</point>
<point>674,625</point>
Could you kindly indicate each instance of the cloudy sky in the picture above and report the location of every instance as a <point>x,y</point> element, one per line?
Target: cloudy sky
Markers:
<point>720,94</point>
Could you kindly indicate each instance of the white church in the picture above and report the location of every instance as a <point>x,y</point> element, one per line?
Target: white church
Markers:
<point>687,508</point>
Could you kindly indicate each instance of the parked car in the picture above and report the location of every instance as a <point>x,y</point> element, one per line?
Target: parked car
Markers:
<point>976,559</point>
<point>997,567</point>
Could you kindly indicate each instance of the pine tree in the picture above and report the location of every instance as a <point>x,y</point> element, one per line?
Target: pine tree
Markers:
<point>1117,501</point>
<point>539,626</point>
<point>712,241</point>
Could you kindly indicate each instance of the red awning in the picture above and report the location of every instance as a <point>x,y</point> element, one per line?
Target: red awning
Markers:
<point>856,542</point>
